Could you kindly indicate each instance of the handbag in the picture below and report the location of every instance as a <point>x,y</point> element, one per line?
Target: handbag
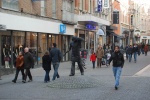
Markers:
<point>6,59</point>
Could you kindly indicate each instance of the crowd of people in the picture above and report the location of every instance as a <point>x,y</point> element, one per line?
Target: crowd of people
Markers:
<point>134,50</point>
<point>53,57</point>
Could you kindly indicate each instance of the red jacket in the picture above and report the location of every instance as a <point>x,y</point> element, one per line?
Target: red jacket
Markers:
<point>93,57</point>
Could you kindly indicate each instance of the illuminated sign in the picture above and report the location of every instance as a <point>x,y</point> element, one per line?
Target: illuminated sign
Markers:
<point>90,27</point>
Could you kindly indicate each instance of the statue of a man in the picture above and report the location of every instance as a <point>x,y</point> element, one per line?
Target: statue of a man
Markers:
<point>75,46</point>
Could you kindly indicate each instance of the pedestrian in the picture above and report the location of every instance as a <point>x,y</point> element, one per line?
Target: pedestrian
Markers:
<point>46,64</point>
<point>135,52</point>
<point>19,67</point>
<point>56,56</point>
<point>118,62</point>
<point>126,49</point>
<point>75,55</point>
<point>99,55</point>
<point>104,47</point>
<point>93,59</point>
<point>146,49</point>
<point>28,64</point>
<point>143,45</point>
<point>129,52</point>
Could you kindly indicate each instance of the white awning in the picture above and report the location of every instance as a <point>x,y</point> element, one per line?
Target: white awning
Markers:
<point>100,32</point>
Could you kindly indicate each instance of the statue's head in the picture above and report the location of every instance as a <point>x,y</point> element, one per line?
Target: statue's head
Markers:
<point>74,38</point>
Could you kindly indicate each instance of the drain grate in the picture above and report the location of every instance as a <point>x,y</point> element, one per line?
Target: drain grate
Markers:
<point>74,82</point>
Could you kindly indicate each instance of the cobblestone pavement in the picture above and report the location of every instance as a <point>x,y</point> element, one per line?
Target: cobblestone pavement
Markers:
<point>96,84</point>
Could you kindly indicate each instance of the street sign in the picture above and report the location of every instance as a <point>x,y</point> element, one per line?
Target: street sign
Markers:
<point>62,28</point>
<point>105,3</point>
<point>99,6</point>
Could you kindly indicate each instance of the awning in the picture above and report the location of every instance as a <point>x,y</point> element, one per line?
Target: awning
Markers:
<point>100,32</point>
<point>118,36</point>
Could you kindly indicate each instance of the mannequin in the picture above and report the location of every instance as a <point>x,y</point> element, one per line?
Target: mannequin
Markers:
<point>6,56</point>
<point>10,56</point>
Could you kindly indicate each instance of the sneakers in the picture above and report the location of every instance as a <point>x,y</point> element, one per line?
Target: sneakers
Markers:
<point>29,80</point>
<point>71,75</point>
<point>23,81</point>
<point>82,73</point>
<point>14,81</point>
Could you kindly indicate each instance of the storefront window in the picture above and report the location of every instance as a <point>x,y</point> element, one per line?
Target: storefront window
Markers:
<point>10,4</point>
<point>31,42</point>
<point>5,38</point>
<point>18,44</point>
<point>42,46</point>
<point>82,35</point>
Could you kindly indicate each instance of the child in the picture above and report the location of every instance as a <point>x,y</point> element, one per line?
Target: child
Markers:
<point>93,59</point>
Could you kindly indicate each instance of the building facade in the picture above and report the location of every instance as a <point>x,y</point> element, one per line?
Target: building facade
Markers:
<point>34,24</point>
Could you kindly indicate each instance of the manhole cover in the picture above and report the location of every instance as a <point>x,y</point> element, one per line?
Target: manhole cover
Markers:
<point>74,82</point>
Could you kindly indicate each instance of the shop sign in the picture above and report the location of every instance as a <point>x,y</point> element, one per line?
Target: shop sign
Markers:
<point>62,28</point>
<point>105,3</point>
<point>2,27</point>
<point>90,27</point>
<point>99,5</point>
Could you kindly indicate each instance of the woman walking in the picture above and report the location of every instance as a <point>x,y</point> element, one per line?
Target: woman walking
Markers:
<point>146,49</point>
<point>46,64</point>
<point>19,67</point>
<point>99,55</point>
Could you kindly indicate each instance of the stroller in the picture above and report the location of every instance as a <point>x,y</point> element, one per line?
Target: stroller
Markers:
<point>107,57</point>
<point>83,55</point>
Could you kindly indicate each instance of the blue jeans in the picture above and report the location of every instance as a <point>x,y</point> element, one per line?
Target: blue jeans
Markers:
<point>47,78</point>
<point>55,66</point>
<point>130,57</point>
<point>117,72</point>
<point>135,56</point>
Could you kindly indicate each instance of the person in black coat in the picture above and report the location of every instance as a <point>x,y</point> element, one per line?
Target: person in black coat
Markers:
<point>130,51</point>
<point>28,63</point>
<point>46,64</point>
<point>118,63</point>
<point>135,52</point>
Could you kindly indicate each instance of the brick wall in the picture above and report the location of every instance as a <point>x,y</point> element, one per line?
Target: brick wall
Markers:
<point>59,9</point>
<point>36,8</point>
<point>49,8</point>
<point>26,5</point>
<point>0,3</point>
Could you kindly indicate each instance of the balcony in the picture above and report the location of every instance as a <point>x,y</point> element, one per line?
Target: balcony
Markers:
<point>88,18</point>
<point>68,17</point>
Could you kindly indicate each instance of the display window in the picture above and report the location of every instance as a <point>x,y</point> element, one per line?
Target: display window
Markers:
<point>5,38</point>
<point>31,43</point>
<point>42,46</point>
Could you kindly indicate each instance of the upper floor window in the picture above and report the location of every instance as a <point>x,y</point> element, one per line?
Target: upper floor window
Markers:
<point>10,4</point>
<point>43,8</point>
<point>54,8</point>
<point>131,19</point>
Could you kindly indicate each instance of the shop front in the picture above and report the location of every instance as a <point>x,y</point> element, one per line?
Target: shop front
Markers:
<point>36,34</point>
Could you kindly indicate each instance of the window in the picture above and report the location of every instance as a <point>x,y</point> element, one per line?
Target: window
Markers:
<point>131,19</point>
<point>43,8</point>
<point>81,5</point>
<point>10,4</point>
<point>54,8</point>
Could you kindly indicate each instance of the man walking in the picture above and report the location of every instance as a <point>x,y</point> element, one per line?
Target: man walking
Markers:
<point>135,51</point>
<point>75,55</point>
<point>28,63</point>
<point>56,56</point>
<point>130,51</point>
<point>118,62</point>
<point>146,49</point>
<point>99,54</point>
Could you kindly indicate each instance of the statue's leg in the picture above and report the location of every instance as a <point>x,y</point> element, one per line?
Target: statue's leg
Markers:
<point>80,67</point>
<point>72,72</point>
